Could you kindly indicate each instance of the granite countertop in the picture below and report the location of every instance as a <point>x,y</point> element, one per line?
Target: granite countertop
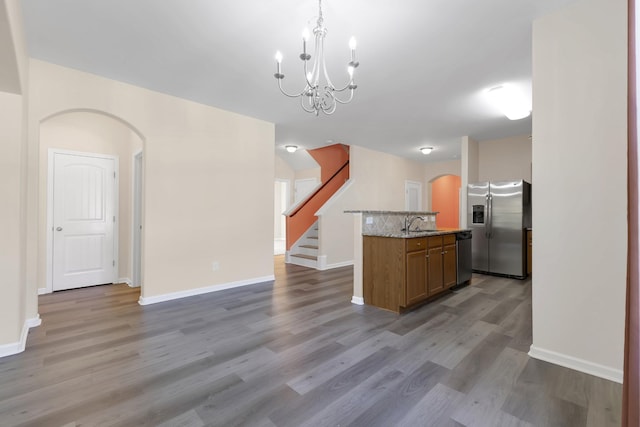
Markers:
<point>393,212</point>
<point>413,234</point>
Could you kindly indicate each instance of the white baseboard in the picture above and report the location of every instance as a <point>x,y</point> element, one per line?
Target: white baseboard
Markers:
<point>125,280</point>
<point>42,291</point>
<point>576,364</point>
<point>357,300</point>
<point>19,346</point>
<point>334,265</point>
<point>322,262</point>
<point>33,322</point>
<point>199,291</point>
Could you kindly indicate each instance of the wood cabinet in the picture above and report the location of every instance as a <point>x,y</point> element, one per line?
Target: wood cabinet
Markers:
<point>442,263</point>
<point>399,273</point>
<point>416,276</point>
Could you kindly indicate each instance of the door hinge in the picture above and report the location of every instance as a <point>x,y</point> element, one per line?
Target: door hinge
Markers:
<point>114,218</point>
<point>114,263</point>
<point>114,175</point>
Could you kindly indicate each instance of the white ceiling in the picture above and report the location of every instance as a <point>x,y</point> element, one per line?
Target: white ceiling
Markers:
<point>424,64</point>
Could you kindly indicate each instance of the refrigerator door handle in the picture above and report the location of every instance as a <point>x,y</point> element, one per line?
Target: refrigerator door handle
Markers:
<point>489,226</point>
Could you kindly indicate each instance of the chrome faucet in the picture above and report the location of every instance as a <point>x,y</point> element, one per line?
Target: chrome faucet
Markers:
<point>408,221</point>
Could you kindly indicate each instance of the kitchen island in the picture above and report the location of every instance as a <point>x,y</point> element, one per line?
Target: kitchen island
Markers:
<point>400,263</point>
<point>403,270</point>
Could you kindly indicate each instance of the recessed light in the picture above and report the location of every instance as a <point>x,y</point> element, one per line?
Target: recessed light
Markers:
<point>426,150</point>
<point>291,148</point>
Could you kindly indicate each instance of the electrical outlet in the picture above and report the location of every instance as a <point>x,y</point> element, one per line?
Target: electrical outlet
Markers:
<point>369,220</point>
<point>215,266</point>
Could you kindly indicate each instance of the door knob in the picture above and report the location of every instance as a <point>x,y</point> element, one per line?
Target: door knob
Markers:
<point>58,228</point>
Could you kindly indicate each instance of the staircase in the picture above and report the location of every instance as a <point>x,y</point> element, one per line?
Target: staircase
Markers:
<point>305,251</point>
<point>302,224</point>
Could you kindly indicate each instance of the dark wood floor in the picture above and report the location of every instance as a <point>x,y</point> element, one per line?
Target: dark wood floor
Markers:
<point>294,353</point>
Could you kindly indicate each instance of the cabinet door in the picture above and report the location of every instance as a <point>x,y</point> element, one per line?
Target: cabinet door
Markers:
<point>435,282</point>
<point>416,281</point>
<point>449,265</point>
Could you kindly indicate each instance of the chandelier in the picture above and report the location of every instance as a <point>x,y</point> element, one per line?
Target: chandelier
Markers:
<point>319,94</point>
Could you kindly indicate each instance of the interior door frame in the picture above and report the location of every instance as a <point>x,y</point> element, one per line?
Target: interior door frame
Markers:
<point>287,200</point>
<point>137,217</point>
<point>50,162</point>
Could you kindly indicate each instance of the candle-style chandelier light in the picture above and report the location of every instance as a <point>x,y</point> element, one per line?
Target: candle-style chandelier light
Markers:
<point>319,94</point>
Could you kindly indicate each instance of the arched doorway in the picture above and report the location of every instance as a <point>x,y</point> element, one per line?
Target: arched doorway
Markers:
<point>445,198</point>
<point>93,134</point>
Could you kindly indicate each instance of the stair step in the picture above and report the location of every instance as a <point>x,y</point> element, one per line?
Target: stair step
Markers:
<point>309,246</point>
<point>312,237</point>
<point>310,257</point>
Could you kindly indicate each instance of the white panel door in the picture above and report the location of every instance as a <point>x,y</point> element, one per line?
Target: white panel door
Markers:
<point>83,221</point>
<point>413,196</point>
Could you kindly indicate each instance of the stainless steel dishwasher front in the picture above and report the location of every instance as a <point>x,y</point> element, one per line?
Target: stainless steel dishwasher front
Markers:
<point>463,257</point>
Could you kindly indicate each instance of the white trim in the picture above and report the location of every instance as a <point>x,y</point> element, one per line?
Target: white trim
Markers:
<point>348,183</point>
<point>574,363</point>
<point>140,197</point>
<point>322,263</point>
<point>19,346</point>
<point>125,280</point>
<point>42,291</point>
<point>357,300</point>
<point>116,211</point>
<point>34,321</point>
<point>205,290</point>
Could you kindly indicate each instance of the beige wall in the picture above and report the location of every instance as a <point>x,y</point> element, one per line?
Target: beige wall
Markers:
<point>378,182</point>
<point>308,174</point>
<point>380,179</point>
<point>579,196</point>
<point>505,159</point>
<point>208,179</point>
<point>14,319</point>
<point>283,170</point>
<point>91,133</point>
<point>469,172</point>
<point>12,315</point>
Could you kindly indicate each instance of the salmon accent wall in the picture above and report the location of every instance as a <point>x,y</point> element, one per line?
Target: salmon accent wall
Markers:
<point>330,159</point>
<point>445,199</point>
<point>334,172</point>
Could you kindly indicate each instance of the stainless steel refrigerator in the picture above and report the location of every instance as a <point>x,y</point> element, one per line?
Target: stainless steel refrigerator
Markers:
<point>498,215</point>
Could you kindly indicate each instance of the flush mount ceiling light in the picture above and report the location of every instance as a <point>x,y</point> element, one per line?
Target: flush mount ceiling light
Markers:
<point>319,94</point>
<point>426,150</point>
<point>511,101</point>
<point>291,148</point>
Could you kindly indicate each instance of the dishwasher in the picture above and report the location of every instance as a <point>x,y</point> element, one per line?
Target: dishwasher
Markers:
<point>463,258</point>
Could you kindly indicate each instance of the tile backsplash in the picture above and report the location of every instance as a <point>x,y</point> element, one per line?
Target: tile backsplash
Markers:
<point>393,222</point>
